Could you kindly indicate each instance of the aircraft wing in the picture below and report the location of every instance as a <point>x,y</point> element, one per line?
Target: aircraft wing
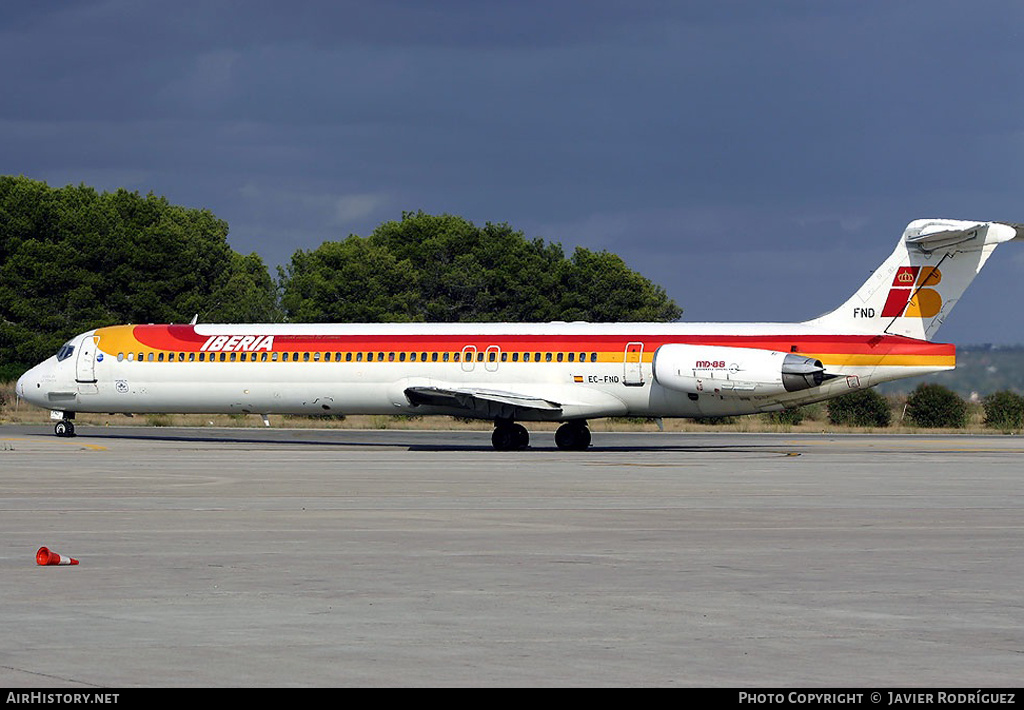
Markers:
<point>488,404</point>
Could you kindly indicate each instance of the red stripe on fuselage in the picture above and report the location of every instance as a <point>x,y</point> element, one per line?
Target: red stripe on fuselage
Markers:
<point>183,338</point>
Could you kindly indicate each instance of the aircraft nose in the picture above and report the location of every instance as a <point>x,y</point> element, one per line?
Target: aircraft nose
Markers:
<point>22,386</point>
<point>28,386</point>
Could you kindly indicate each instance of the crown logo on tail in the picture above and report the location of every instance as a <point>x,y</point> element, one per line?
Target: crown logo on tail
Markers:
<point>911,296</point>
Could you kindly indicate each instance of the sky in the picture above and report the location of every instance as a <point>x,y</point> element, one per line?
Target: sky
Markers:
<point>758,159</point>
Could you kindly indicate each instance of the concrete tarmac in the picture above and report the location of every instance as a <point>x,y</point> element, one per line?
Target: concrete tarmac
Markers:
<point>247,557</point>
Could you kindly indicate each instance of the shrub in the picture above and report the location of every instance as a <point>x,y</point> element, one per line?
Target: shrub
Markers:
<point>933,406</point>
<point>714,421</point>
<point>1004,410</point>
<point>787,417</point>
<point>860,408</point>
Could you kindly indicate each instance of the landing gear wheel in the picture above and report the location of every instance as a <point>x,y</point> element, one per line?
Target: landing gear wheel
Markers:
<point>573,436</point>
<point>64,428</point>
<point>510,437</point>
<point>521,435</point>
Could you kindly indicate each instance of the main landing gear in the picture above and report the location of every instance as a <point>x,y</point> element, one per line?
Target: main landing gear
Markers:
<point>510,436</point>
<point>573,436</point>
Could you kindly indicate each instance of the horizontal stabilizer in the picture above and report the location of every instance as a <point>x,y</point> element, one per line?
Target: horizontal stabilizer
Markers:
<point>944,238</point>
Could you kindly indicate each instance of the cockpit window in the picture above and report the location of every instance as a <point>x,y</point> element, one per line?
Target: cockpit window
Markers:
<point>65,351</point>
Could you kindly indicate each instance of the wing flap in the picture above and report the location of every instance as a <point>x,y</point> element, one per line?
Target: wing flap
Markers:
<point>487,404</point>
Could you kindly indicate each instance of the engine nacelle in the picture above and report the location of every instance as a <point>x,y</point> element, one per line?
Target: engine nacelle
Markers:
<point>726,371</point>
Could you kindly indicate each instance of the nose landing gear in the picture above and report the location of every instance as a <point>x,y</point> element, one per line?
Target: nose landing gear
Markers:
<point>64,428</point>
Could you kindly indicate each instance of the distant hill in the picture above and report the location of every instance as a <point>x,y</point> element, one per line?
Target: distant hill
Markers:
<point>980,370</point>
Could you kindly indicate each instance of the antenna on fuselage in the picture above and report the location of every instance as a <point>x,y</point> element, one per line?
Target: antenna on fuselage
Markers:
<point>195,319</point>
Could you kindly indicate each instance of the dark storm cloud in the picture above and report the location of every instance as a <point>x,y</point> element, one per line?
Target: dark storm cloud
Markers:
<point>757,159</point>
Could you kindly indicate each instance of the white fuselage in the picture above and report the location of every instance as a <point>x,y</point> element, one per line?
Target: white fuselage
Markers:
<point>588,370</point>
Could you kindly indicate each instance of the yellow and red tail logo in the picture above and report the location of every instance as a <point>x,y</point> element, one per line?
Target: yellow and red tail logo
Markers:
<point>912,281</point>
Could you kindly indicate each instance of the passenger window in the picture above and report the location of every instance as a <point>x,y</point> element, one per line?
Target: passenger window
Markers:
<point>401,357</point>
<point>234,356</point>
<point>391,357</point>
<point>191,357</point>
<point>456,357</point>
<point>423,357</point>
<point>120,357</point>
<point>263,357</point>
<point>593,357</point>
<point>223,357</point>
<point>305,357</point>
<point>547,357</point>
<point>515,357</point>
<point>273,357</point>
<point>433,357</point>
<point>559,357</point>
<point>572,357</point>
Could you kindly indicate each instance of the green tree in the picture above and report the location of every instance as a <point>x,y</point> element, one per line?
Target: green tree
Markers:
<point>352,280</point>
<point>862,408</point>
<point>933,406</point>
<point>443,268</point>
<point>73,258</point>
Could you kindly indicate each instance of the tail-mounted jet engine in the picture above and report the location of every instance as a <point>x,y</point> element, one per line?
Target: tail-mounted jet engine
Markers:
<point>725,371</point>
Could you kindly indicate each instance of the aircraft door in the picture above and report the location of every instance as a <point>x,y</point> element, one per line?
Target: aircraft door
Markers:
<point>633,375</point>
<point>85,365</point>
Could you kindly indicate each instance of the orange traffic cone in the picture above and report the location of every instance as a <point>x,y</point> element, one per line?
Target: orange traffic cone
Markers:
<point>46,556</point>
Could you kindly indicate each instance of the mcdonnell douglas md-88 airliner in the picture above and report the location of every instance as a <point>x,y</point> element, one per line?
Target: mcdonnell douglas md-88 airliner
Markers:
<point>519,372</point>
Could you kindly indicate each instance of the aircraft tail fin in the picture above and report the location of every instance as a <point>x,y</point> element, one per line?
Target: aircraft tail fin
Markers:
<point>914,290</point>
